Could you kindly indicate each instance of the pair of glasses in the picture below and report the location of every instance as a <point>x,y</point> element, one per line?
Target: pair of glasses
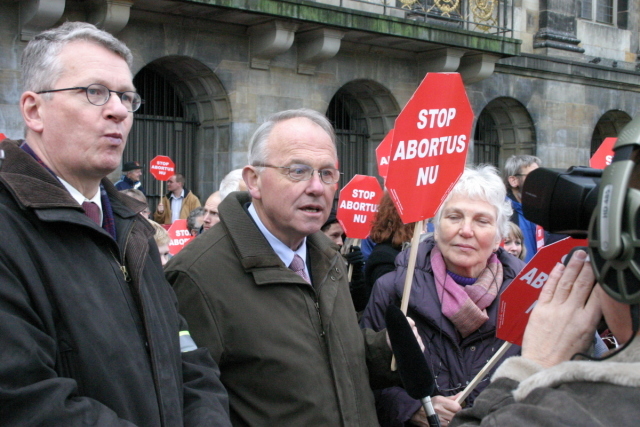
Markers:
<point>98,94</point>
<point>305,172</point>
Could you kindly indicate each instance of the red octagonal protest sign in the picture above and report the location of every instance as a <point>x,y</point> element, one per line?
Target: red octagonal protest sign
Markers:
<point>382,154</point>
<point>162,168</point>
<point>358,204</point>
<point>517,301</point>
<point>604,154</point>
<point>179,236</point>
<point>430,141</point>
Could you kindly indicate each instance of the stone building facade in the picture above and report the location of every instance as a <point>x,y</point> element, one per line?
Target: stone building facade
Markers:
<point>541,79</point>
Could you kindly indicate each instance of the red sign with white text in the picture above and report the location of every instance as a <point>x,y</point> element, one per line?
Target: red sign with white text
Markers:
<point>358,204</point>
<point>2,136</point>
<point>382,154</point>
<point>162,168</point>
<point>430,142</point>
<point>517,301</point>
<point>179,236</point>
<point>603,155</point>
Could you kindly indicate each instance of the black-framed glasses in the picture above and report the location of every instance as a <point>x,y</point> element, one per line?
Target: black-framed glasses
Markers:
<point>98,94</point>
<point>305,172</point>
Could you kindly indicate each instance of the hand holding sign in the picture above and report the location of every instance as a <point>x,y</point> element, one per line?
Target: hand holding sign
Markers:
<point>519,299</point>
<point>566,315</point>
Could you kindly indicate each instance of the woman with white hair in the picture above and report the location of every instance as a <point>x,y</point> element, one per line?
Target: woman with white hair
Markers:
<point>459,274</point>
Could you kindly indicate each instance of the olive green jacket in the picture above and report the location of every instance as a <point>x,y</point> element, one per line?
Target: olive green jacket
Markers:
<point>289,353</point>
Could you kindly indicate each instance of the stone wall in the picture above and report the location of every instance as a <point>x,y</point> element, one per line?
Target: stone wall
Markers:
<point>564,99</point>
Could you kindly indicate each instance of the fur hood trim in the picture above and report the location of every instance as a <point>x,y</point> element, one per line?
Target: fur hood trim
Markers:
<point>622,369</point>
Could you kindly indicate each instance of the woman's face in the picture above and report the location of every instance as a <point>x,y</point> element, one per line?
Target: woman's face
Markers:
<point>466,235</point>
<point>513,245</point>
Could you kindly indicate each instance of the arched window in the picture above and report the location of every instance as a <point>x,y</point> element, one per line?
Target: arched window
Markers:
<point>504,128</point>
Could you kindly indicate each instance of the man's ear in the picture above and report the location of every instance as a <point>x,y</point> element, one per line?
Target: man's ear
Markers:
<point>31,109</point>
<point>513,181</point>
<point>251,178</point>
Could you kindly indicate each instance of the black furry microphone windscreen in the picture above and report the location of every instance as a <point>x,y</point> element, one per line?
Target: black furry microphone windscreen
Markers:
<point>413,368</point>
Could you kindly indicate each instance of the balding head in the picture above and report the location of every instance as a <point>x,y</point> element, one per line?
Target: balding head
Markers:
<point>211,216</point>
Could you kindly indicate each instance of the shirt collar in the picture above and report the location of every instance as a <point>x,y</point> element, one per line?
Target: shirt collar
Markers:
<point>284,252</point>
<point>79,197</point>
<point>180,197</point>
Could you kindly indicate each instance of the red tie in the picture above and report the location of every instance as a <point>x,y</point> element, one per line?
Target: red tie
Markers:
<point>93,211</point>
<point>297,265</point>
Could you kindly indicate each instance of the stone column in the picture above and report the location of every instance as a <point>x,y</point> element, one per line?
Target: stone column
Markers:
<point>557,33</point>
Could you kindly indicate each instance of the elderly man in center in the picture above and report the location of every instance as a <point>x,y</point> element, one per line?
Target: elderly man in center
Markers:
<point>460,272</point>
<point>266,291</point>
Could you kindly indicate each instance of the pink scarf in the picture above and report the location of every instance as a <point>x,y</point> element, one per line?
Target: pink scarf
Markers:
<point>466,306</point>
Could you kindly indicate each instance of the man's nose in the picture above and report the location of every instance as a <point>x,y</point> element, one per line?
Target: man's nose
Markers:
<point>315,184</point>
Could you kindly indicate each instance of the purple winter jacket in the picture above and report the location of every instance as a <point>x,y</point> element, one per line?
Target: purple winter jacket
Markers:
<point>453,361</point>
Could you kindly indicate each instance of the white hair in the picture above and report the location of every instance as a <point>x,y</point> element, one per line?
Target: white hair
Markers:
<point>230,182</point>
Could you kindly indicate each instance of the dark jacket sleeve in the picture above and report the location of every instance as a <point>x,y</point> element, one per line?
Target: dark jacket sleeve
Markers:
<point>204,328</point>
<point>394,406</point>
<point>31,392</point>
<point>206,401</point>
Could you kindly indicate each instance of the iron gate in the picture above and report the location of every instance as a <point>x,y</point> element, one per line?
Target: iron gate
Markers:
<point>161,128</point>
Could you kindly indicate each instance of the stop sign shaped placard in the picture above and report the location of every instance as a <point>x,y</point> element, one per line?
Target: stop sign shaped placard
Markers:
<point>179,236</point>
<point>517,301</point>
<point>604,154</point>
<point>430,142</point>
<point>358,204</point>
<point>162,168</point>
<point>383,153</point>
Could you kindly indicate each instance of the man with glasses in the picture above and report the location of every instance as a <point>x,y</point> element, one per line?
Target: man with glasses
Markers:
<point>89,331</point>
<point>516,169</point>
<point>266,291</point>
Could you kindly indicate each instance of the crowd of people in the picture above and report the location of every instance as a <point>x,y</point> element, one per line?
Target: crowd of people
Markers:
<point>258,320</point>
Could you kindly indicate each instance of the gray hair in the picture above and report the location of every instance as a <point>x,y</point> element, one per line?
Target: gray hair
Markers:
<point>41,65</point>
<point>136,194</point>
<point>482,182</point>
<point>230,182</point>
<point>191,219</point>
<point>258,144</point>
<point>514,165</point>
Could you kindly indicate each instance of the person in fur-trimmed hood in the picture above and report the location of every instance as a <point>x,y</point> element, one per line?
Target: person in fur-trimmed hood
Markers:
<point>543,387</point>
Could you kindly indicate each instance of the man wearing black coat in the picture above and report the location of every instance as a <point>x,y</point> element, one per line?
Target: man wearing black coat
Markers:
<point>89,328</point>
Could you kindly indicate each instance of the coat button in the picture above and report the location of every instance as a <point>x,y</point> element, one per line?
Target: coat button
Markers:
<point>333,278</point>
<point>473,348</point>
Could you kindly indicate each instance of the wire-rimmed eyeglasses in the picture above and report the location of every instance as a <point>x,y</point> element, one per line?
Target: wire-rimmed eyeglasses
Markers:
<point>305,172</point>
<point>98,94</point>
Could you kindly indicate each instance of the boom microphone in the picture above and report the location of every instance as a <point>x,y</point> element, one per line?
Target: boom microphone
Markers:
<point>414,371</point>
